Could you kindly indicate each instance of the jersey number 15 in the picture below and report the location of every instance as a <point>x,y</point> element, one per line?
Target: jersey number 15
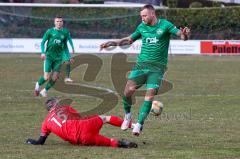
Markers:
<point>62,116</point>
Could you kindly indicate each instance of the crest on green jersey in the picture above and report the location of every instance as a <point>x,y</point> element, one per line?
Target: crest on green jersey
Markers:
<point>159,31</point>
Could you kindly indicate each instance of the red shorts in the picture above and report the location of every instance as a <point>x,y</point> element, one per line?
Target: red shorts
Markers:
<point>89,129</point>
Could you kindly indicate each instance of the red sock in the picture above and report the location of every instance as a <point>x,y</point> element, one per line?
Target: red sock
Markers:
<point>101,140</point>
<point>114,142</point>
<point>117,121</point>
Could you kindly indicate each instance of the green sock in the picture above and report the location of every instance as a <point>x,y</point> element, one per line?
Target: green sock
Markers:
<point>50,84</point>
<point>68,68</point>
<point>144,111</point>
<point>127,104</point>
<point>41,80</point>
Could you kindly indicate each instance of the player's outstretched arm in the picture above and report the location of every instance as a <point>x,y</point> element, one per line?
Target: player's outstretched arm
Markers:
<point>120,42</point>
<point>184,33</point>
<point>45,38</point>
<point>41,140</point>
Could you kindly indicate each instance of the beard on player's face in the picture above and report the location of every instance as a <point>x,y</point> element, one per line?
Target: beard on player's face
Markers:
<point>148,20</point>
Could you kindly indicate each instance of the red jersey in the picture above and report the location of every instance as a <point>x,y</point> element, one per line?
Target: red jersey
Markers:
<point>64,122</point>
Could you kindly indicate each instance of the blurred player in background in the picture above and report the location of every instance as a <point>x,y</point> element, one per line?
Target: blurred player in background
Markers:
<point>54,55</point>
<point>66,122</point>
<point>151,62</point>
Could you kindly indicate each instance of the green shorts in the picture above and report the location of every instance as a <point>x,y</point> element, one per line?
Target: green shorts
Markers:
<point>66,57</point>
<point>151,77</point>
<point>51,65</point>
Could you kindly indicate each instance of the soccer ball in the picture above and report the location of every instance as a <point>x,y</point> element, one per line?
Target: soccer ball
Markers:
<point>157,108</point>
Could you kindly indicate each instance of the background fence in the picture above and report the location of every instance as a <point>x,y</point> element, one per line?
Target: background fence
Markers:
<point>87,22</point>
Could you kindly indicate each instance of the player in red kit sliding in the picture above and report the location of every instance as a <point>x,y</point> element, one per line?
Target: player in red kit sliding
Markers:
<point>66,122</point>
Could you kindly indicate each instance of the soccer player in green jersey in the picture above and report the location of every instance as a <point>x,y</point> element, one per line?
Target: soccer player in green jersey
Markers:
<point>151,62</point>
<point>52,56</point>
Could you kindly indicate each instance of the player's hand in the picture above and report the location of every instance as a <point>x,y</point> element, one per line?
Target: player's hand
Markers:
<point>102,46</point>
<point>43,56</point>
<point>107,44</point>
<point>71,60</point>
<point>31,141</point>
<point>186,33</point>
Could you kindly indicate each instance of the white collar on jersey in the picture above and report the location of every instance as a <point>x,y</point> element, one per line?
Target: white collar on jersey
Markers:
<point>57,28</point>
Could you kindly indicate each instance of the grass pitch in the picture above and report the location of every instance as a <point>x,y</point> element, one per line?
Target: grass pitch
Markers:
<point>201,116</point>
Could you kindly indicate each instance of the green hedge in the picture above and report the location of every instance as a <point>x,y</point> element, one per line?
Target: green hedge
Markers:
<point>206,23</point>
<point>90,22</point>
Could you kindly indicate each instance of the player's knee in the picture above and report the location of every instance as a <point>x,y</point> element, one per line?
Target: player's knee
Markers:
<point>150,94</point>
<point>46,77</point>
<point>130,88</point>
<point>55,77</point>
<point>129,91</point>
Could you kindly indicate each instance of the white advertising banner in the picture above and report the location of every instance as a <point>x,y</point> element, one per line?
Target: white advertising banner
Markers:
<point>184,47</point>
<point>20,45</point>
<point>92,46</point>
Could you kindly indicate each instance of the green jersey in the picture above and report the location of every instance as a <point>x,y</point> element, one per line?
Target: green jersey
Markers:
<point>155,41</point>
<point>56,42</point>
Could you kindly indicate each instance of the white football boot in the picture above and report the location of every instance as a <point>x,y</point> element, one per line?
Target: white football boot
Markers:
<point>127,121</point>
<point>68,80</point>
<point>137,129</point>
<point>43,93</point>
<point>37,89</point>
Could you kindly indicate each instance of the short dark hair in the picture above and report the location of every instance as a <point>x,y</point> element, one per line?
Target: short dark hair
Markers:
<point>148,6</point>
<point>51,102</point>
<point>59,17</point>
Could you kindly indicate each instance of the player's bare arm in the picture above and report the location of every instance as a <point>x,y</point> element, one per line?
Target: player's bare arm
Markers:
<point>184,33</point>
<point>120,42</point>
